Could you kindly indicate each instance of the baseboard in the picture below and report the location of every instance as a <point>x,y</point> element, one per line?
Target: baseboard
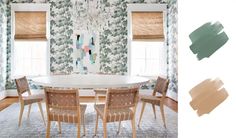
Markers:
<point>2,95</point>
<point>173,96</point>
<point>87,93</point>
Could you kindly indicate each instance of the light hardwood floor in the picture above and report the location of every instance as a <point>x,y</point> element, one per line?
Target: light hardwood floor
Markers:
<point>11,100</point>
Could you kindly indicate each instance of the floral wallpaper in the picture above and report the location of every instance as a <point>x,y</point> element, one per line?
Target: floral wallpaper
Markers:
<point>172,34</point>
<point>112,37</point>
<point>3,39</point>
<point>113,45</point>
<point>61,40</point>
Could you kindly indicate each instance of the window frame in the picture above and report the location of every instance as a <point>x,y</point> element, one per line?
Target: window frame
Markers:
<point>30,7</point>
<point>143,8</point>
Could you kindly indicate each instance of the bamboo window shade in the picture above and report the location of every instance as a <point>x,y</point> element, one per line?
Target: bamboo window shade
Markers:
<point>30,25</point>
<point>147,25</point>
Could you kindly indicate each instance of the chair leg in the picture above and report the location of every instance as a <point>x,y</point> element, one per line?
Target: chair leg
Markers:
<point>48,129</point>
<point>84,125</point>
<point>133,127</point>
<point>78,131</point>
<point>104,129</point>
<point>21,113</point>
<point>59,126</point>
<point>41,110</point>
<point>141,114</point>
<point>96,126</point>
<point>163,115</point>
<point>96,98</point>
<point>154,110</point>
<point>119,127</point>
<point>29,110</point>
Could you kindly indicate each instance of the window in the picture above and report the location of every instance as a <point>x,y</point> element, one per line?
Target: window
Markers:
<point>30,50</point>
<point>147,51</point>
<point>148,58</point>
<point>30,58</point>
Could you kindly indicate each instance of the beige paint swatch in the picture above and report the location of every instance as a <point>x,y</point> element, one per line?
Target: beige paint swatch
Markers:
<point>207,95</point>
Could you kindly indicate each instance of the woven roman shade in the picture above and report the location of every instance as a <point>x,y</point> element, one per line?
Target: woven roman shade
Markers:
<point>147,25</point>
<point>30,25</point>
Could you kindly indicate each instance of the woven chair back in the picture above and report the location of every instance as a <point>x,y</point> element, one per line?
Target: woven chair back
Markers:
<point>121,98</point>
<point>161,86</point>
<point>22,85</point>
<point>62,98</point>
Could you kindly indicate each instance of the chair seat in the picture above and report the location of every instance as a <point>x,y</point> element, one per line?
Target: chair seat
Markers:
<point>151,99</point>
<point>114,114</point>
<point>100,91</point>
<point>33,98</point>
<point>63,115</point>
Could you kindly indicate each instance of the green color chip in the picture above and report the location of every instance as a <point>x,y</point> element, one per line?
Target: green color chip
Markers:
<point>207,39</point>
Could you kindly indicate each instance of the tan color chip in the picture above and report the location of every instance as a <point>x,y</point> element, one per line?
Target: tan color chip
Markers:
<point>207,95</point>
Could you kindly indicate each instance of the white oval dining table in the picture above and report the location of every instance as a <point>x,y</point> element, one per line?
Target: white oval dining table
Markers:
<point>89,81</point>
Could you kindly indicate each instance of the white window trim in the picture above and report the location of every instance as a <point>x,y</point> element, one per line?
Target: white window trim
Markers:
<point>30,7</point>
<point>141,7</point>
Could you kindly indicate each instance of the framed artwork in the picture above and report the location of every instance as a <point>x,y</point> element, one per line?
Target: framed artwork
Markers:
<point>86,52</point>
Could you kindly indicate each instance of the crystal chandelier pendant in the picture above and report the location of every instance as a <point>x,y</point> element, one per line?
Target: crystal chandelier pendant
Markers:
<point>93,13</point>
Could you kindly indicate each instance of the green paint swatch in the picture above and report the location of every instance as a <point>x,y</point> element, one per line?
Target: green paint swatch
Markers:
<point>207,39</point>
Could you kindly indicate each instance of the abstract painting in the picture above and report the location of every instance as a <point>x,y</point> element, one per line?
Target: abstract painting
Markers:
<point>86,53</point>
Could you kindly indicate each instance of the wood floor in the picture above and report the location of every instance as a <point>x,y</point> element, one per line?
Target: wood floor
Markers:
<point>7,102</point>
<point>11,100</point>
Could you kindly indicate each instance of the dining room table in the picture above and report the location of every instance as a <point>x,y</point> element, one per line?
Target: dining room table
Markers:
<point>90,81</point>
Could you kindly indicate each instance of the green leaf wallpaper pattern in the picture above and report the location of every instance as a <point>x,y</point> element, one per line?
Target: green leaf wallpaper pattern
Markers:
<point>172,43</point>
<point>3,45</point>
<point>113,38</point>
<point>61,36</point>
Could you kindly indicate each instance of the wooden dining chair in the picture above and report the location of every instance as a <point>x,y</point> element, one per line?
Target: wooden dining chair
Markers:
<point>63,105</point>
<point>161,88</point>
<point>120,105</point>
<point>23,87</point>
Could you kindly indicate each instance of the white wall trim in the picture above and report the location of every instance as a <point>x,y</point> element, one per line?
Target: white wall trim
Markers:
<point>2,95</point>
<point>173,95</point>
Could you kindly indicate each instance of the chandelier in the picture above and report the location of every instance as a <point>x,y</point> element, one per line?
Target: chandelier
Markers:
<point>92,14</point>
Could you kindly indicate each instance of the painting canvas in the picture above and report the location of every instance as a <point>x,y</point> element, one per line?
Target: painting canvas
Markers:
<point>86,52</point>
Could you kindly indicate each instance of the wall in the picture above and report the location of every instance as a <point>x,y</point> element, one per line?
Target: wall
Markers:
<point>61,36</point>
<point>173,47</point>
<point>113,38</point>
<point>3,26</point>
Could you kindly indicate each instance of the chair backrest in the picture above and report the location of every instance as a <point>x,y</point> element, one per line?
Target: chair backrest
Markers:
<point>161,86</point>
<point>22,85</point>
<point>121,98</point>
<point>62,98</point>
